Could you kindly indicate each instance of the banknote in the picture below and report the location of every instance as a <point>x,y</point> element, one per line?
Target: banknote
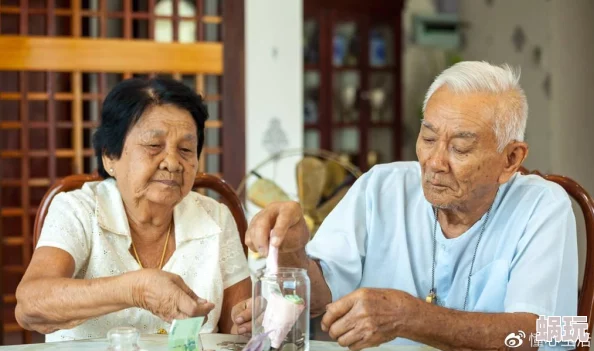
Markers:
<point>260,342</point>
<point>184,334</point>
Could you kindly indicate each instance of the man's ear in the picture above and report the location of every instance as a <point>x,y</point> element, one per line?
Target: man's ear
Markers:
<point>515,154</point>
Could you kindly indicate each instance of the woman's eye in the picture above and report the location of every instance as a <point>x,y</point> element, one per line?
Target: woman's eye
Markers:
<point>154,147</point>
<point>428,140</point>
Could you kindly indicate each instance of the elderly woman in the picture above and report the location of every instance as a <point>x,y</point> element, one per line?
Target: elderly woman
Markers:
<point>138,248</point>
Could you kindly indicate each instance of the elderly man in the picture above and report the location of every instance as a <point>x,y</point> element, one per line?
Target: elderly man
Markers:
<point>455,251</point>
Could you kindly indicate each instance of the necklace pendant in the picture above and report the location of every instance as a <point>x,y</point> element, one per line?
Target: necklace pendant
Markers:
<point>432,297</point>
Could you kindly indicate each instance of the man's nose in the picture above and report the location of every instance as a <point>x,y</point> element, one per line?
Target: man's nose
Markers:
<point>438,159</point>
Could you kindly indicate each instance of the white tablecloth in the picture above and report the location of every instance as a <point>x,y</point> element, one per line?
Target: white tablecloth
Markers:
<point>215,342</point>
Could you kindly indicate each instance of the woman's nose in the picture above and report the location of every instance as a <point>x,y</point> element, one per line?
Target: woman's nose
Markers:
<point>171,162</point>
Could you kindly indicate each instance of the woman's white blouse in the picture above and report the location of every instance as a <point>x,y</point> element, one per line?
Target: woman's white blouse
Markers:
<point>91,225</point>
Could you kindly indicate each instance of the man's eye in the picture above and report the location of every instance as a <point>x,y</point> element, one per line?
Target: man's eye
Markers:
<point>429,140</point>
<point>460,152</point>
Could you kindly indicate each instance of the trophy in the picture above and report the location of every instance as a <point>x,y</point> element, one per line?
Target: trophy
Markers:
<point>372,158</point>
<point>377,99</point>
<point>348,96</point>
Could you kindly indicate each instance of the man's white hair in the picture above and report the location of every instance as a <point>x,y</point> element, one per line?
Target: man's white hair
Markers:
<point>474,77</point>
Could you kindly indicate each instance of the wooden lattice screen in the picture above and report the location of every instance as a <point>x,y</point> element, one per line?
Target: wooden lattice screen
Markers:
<point>58,58</point>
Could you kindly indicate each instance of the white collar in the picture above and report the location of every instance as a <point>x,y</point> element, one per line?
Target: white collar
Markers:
<point>192,221</point>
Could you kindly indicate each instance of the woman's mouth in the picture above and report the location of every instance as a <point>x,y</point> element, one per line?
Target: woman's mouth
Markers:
<point>168,182</point>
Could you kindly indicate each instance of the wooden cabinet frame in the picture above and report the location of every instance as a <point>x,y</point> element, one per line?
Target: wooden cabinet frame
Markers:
<point>69,60</point>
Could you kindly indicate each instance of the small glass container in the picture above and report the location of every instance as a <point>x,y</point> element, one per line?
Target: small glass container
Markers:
<point>280,308</point>
<point>123,339</point>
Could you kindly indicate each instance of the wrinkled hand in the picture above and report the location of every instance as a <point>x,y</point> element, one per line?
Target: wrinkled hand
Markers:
<point>166,295</point>
<point>241,314</point>
<point>368,317</point>
<point>280,223</point>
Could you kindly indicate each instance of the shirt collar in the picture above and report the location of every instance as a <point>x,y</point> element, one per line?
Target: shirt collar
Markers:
<point>192,220</point>
<point>109,208</point>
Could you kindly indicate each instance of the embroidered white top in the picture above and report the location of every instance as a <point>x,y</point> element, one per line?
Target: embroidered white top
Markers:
<point>91,225</point>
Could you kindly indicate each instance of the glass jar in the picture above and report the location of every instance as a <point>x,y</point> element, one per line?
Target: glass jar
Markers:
<point>123,339</point>
<point>281,308</point>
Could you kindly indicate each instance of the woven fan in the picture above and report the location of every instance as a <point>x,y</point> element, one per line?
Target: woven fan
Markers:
<point>322,180</point>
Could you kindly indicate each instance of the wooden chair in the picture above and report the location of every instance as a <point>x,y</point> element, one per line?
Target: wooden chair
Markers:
<point>581,196</point>
<point>203,181</point>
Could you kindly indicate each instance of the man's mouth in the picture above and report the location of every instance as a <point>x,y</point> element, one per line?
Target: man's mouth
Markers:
<point>433,181</point>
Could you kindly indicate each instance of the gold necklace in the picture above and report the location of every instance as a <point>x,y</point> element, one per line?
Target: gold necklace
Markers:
<point>162,255</point>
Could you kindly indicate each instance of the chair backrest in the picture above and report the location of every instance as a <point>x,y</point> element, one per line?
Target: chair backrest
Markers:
<point>203,181</point>
<point>584,200</point>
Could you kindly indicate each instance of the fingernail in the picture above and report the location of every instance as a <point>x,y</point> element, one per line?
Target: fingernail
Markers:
<point>263,251</point>
<point>201,301</point>
<point>241,330</point>
<point>239,320</point>
<point>324,329</point>
<point>275,241</point>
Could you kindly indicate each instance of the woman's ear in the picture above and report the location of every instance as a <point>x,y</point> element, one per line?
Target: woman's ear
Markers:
<point>515,154</point>
<point>108,164</point>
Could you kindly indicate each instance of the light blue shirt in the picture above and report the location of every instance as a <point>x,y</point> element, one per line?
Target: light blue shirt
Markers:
<point>381,236</point>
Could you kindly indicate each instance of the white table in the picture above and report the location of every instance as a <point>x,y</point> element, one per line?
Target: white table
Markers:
<point>215,342</point>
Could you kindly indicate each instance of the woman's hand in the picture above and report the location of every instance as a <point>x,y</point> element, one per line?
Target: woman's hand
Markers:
<point>166,295</point>
<point>242,317</point>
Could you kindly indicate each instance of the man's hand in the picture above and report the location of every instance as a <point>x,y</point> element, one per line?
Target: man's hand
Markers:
<point>280,223</point>
<point>368,317</point>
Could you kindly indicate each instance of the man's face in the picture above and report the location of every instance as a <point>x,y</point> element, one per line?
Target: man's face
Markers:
<point>457,149</point>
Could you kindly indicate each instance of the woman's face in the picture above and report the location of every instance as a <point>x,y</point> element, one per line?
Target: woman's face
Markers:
<point>159,160</point>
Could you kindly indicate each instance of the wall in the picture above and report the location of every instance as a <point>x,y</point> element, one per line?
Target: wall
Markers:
<point>513,32</point>
<point>572,151</point>
<point>420,65</point>
<point>552,43</point>
<point>274,74</point>
<point>572,144</point>
<point>559,85</point>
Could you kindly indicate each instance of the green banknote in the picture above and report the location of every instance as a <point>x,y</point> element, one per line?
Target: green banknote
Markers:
<point>184,334</point>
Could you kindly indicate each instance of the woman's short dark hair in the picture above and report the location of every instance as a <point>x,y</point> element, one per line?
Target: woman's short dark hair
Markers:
<point>128,100</point>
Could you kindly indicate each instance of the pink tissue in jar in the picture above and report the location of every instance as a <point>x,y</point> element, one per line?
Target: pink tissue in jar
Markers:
<point>280,316</point>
